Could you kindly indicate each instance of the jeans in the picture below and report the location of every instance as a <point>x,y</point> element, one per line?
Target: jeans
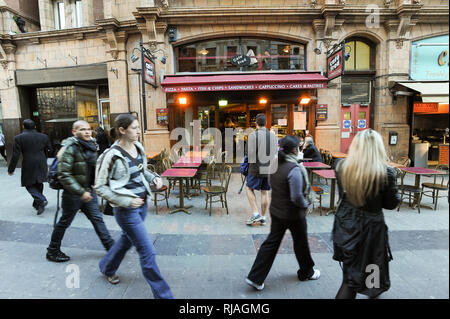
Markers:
<point>131,220</point>
<point>70,205</point>
<point>268,251</point>
<point>35,191</point>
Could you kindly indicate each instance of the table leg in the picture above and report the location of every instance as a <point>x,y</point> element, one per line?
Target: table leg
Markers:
<point>332,195</point>
<point>416,196</point>
<point>181,208</point>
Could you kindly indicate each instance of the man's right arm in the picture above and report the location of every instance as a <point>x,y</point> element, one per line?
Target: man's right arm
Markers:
<point>65,175</point>
<point>17,149</point>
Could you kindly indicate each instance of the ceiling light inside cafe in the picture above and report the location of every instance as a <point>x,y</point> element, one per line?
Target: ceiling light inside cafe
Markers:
<point>203,51</point>
<point>223,102</point>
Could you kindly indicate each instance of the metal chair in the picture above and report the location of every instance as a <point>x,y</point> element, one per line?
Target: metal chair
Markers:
<point>436,187</point>
<point>158,192</point>
<point>216,191</point>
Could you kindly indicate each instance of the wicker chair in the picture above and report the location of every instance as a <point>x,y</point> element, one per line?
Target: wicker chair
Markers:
<point>218,191</point>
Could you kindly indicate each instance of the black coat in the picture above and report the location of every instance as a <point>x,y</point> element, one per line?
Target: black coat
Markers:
<point>360,237</point>
<point>311,151</point>
<point>102,141</point>
<point>35,148</point>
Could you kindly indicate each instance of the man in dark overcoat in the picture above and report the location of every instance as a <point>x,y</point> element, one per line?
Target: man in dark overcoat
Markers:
<point>35,148</point>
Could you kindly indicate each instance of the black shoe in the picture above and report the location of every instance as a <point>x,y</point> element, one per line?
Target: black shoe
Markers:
<point>41,207</point>
<point>58,257</point>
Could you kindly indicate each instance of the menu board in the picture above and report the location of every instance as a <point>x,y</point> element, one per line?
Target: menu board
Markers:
<point>162,116</point>
<point>299,120</point>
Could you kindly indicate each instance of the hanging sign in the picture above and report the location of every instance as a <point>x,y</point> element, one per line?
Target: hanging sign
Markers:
<point>321,112</point>
<point>162,116</point>
<point>149,71</point>
<point>335,63</point>
<point>240,60</point>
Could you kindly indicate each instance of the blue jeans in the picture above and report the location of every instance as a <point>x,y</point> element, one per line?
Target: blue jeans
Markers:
<point>36,191</point>
<point>131,220</point>
<point>70,205</point>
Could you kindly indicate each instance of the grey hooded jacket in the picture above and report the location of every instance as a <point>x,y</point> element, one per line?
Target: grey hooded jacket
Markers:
<point>112,174</point>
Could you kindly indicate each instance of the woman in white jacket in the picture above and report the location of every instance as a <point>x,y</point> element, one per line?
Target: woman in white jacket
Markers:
<point>123,180</point>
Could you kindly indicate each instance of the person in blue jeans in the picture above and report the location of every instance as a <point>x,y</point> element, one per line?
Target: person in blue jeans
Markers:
<point>123,180</point>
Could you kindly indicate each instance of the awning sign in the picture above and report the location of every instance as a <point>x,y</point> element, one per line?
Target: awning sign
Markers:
<point>361,123</point>
<point>244,87</point>
<point>426,107</point>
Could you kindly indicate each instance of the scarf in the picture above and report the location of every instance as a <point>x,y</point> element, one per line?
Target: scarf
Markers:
<point>308,192</point>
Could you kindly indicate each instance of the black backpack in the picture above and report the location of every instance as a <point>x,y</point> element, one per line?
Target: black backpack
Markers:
<point>53,181</point>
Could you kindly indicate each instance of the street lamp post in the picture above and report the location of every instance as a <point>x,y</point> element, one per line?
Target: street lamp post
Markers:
<point>134,58</point>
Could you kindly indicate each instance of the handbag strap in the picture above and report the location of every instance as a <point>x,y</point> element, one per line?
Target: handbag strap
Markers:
<point>139,165</point>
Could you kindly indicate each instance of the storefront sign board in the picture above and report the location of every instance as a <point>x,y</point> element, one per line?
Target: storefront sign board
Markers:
<point>430,62</point>
<point>240,60</point>
<point>426,107</point>
<point>244,87</point>
<point>335,65</point>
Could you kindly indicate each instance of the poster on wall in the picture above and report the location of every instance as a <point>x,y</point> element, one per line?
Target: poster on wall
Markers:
<point>299,120</point>
<point>162,116</point>
<point>321,112</point>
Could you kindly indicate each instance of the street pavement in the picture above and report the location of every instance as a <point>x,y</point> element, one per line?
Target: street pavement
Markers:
<point>203,256</point>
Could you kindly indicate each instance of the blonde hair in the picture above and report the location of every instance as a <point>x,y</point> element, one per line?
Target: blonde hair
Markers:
<point>364,171</point>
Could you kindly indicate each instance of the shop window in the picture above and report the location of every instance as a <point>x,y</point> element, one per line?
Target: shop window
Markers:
<point>355,92</point>
<point>280,118</point>
<point>347,115</point>
<point>264,54</point>
<point>359,56</point>
<point>362,116</point>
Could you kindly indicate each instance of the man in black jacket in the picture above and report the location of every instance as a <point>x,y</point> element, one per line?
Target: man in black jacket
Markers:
<point>35,149</point>
<point>311,151</point>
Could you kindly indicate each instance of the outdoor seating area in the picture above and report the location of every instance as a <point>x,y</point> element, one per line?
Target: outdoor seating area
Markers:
<point>196,173</point>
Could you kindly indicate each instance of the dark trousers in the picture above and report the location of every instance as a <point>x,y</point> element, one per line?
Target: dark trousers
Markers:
<point>268,251</point>
<point>35,191</point>
<point>2,152</point>
<point>71,204</point>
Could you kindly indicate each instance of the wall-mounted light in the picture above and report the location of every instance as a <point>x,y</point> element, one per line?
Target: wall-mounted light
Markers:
<point>318,50</point>
<point>115,71</point>
<point>305,100</point>
<point>347,54</point>
<point>262,101</point>
<point>44,62</point>
<point>223,102</point>
<point>203,51</point>
<point>182,100</point>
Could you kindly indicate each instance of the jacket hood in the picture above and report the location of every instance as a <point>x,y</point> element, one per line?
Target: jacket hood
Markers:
<point>118,153</point>
<point>73,140</point>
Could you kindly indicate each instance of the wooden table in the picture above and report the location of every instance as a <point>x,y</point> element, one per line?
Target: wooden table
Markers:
<point>180,174</point>
<point>152,155</point>
<point>419,171</point>
<point>337,155</point>
<point>314,165</point>
<point>329,174</point>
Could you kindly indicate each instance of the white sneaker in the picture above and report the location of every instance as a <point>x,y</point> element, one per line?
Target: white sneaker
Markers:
<point>254,285</point>
<point>316,275</point>
<point>254,219</point>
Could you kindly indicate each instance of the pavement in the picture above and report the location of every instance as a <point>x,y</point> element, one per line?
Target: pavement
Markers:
<point>207,257</point>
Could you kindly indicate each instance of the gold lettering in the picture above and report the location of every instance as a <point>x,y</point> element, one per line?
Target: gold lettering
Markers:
<point>441,61</point>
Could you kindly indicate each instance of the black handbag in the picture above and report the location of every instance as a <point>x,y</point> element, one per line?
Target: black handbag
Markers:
<point>108,210</point>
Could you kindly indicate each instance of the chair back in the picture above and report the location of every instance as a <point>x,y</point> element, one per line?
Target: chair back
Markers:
<point>151,168</point>
<point>166,163</point>
<point>210,171</point>
<point>225,176</point>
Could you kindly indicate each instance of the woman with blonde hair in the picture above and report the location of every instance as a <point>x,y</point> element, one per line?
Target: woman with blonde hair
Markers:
<point>360,236</point>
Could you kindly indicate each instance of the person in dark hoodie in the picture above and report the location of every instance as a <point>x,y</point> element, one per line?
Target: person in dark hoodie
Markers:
<point>287,211</point>
<point>76,172</point>
<point>102,140</point>
<point>310,150</point>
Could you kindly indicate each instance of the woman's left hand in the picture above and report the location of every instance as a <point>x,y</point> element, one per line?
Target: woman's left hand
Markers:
<point>158,182</point>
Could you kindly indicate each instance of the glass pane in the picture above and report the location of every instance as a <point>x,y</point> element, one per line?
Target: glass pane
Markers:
<point>362,115</point>
<point>79,11</point>
<point>355,92</point>
<point>347,115</point>
<point>213,56</point>
<point>61,15</point>
<point>362,56</point>
<point>350,63</point>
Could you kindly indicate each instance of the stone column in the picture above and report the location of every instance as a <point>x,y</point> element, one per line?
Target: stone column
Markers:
<point>9,95</point>
<point>46,15</point>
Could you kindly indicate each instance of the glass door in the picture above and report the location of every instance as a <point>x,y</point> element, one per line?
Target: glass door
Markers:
<point>104,110</point>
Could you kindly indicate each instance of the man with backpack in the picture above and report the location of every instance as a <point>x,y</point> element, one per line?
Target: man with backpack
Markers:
<point>76,173</point>
<point>35,149</point>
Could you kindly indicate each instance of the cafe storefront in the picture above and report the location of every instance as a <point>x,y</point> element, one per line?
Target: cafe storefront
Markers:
<point>428,99</point>
<point>227,82</point>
